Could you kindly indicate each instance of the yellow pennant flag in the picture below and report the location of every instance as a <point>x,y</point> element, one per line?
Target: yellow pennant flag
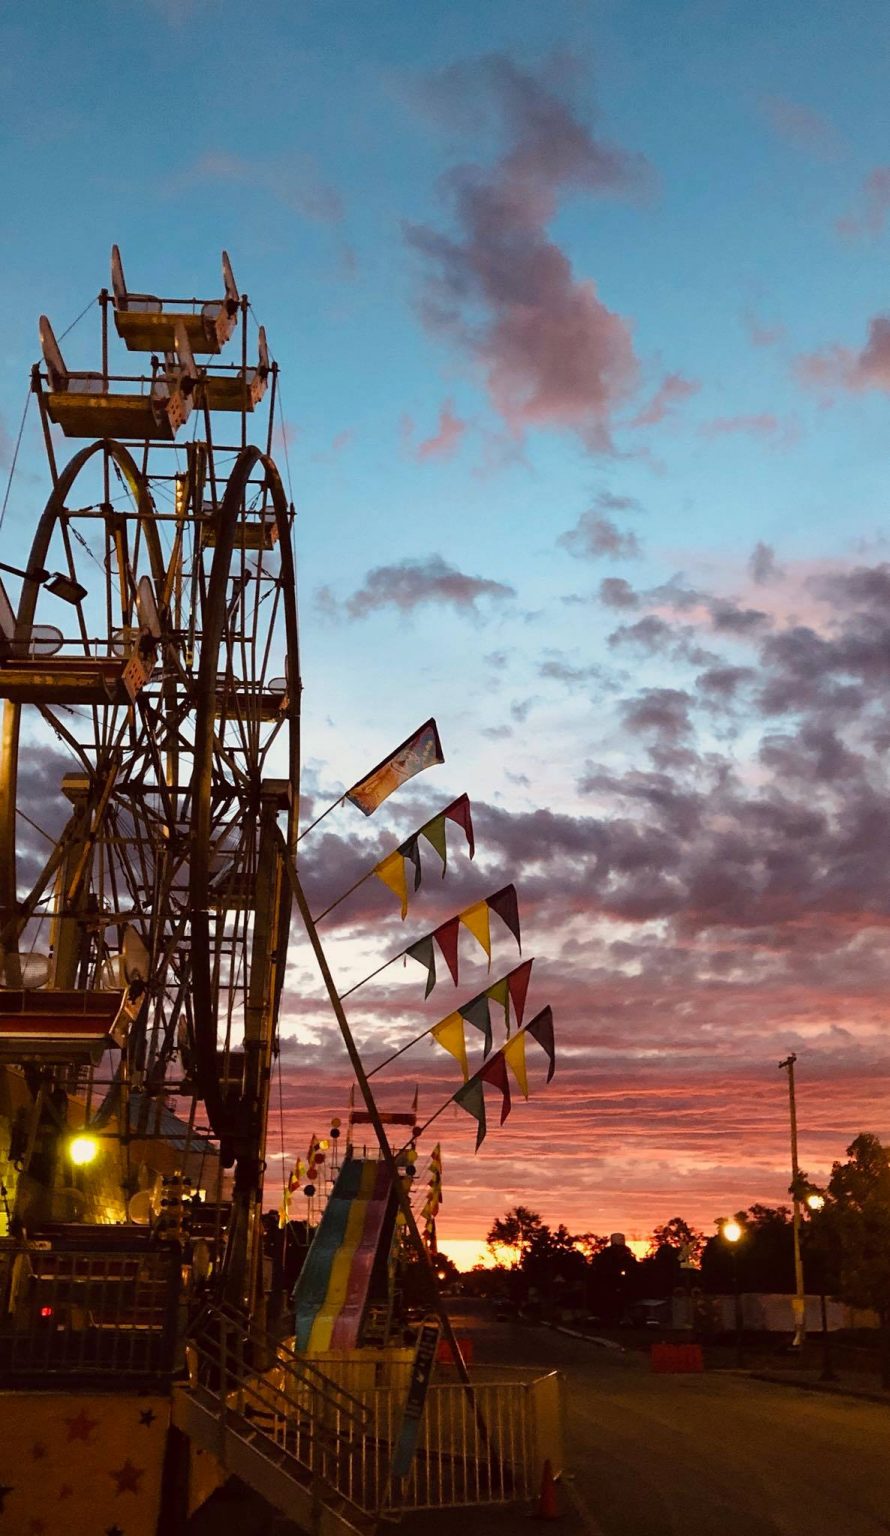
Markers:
<point>477,919</point>
<point>391,871</point>
<point>450,1035</point>
<point>514,1055</point>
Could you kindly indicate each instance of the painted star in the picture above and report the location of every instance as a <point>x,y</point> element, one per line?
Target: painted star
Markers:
<point>147,1417</point>
<point>65,1491</point>
<point>37,1528</point>
<point>38,1451</point>
<point>128,1477</point>
<point>5,1488</point>
<point>113,1530</point>
<point>81,1427</point>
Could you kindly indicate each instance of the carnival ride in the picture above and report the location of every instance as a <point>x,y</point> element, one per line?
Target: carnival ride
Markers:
<point>149,806</point>
<point>143,938</point>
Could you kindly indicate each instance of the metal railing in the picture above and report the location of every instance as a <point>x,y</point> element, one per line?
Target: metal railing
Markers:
<point>110,1316</point>
<point>484,1448</point>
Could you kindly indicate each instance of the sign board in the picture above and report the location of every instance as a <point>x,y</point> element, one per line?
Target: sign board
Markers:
<point>421,1371</point>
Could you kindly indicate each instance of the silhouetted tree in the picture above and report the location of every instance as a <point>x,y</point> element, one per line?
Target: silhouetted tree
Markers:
<point>515,1230</point>
<point>858,1212</point>
<point>764,1253</point>
<point>612,1281</point>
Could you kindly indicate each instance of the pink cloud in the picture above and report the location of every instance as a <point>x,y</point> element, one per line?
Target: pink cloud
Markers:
<point>671,392</point>
<point>761,335</point>
<point>840,367</point>
<point>874,206</point>
<point>296,184</point>
<point>550,351</point>
<point>444,443</point>
<point>762,424</point>
<point>801,126</point>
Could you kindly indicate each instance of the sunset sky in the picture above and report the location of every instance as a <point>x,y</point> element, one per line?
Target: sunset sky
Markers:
<point>583,315</point>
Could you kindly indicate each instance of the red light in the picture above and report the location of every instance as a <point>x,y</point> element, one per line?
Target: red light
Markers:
<point>46,1311</point>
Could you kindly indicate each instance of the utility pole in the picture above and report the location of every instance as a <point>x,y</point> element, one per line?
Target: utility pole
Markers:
<point>800,1303</point>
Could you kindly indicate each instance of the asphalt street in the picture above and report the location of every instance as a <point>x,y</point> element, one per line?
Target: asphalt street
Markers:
<point>713,1455</point>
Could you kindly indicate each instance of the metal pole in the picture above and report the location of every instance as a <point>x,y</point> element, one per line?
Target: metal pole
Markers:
<point>828,1372</point>
<point>800,1303</point>
<point>738,1309</point>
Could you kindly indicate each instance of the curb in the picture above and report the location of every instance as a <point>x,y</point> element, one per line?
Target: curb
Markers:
<point>826,1388</point>
<point>589,1338</point>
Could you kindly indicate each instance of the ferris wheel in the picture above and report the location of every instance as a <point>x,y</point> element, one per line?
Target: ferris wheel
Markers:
<point>153,651</point>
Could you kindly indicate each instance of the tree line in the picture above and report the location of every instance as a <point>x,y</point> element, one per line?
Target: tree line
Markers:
<point>845,1249</point>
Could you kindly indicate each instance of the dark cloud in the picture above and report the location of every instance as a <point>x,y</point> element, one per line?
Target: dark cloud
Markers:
<point>654,636</point>
<point>762,564</point>
<point>550,351</point>
<point>411,584</point>
<point>615,592</point>
<point>595,537</point>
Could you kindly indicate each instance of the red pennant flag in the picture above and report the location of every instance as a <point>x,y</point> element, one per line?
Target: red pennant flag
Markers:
<point>506,906</point>
<point>459,811</point>
<point>517,984</point>
<point>495,1071</point>
<point>446,936</point>
<point>541,1029</point>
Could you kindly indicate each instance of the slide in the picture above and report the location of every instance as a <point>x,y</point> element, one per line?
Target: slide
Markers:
<point>331,1293</point>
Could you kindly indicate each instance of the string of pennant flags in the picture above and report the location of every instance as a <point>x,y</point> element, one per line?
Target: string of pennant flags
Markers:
<point>393,870</point>
<point>401,871</point>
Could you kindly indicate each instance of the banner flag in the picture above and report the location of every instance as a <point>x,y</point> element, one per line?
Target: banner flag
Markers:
<point>450,1035</point>
<point>434,832</point>
<point>446,936</point>
<point>514,1056</point>
<point>505,904</point>
<point>411,854</point>
<point>459,811</point>
<point>517,982</point>
<point>477,919</point>
<point>472,1099</point>
<point>495,1071</point>
<point>478,1013</point>
<point>424,952</point>
<point>541,1029</point>
<point>422,750</point>
<point>391,871</point>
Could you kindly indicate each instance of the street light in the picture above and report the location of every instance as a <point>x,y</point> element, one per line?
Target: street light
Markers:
<point>799,1304</point>
<point>732,1232</point>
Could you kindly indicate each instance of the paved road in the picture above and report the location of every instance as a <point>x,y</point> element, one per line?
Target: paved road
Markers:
<point>711,1455</point>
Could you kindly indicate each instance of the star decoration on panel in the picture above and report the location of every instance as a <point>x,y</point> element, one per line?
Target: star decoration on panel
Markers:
<point>81,1427</point>
<point>127,1477</point>
<point>38,1451</point>
<point>147,1417</point>
<point>113,1530</point>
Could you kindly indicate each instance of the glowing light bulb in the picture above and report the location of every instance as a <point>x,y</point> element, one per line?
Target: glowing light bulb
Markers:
<point>82,1150</point>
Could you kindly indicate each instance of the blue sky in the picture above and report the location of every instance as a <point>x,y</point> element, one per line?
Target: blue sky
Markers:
<point>738,248</point>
